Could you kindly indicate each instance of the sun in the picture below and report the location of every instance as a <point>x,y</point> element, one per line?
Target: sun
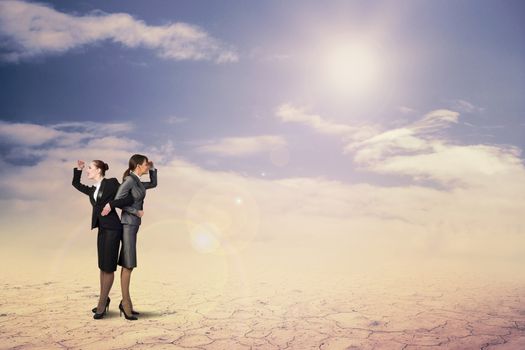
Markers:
<point>350,69</point>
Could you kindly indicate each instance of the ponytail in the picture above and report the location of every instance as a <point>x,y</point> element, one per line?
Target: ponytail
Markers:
<point>135,160</point>
<point>126,174</point>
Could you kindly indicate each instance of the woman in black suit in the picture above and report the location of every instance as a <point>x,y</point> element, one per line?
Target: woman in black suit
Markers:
<point>104,216</point>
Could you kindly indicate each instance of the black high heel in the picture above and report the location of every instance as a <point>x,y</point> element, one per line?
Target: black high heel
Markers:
<point>133,312</point>
<point>106,308</point>
<point>132,318</point>
<point>99,316</point>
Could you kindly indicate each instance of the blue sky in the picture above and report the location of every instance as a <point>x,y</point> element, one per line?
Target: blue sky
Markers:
<point>467,57</point>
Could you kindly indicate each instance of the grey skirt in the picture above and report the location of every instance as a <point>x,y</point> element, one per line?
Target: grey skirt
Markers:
<point>128,251</point>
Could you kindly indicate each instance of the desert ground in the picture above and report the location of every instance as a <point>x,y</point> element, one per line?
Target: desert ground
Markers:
<point>208,301</point>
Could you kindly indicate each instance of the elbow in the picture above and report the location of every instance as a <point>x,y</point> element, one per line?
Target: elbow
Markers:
<point>126,202</point>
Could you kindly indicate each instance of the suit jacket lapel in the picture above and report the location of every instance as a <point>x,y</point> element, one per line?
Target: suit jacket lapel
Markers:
<point>101,189</point>
<point>136,178</point>
<point>138,182</point>
<point>91,199</point>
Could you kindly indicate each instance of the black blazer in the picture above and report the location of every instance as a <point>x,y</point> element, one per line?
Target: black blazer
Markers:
<point>106,194</point>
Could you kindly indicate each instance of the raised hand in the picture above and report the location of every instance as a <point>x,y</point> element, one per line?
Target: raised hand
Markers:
<point>150,164</point>
<point>106,210</point>
<point>80,164</point>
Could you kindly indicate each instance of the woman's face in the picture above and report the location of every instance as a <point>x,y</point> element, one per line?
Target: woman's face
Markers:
<point>143,168</point>
<point>92,171</point>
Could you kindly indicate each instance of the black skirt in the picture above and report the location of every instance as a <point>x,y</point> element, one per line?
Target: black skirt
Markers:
<point>108,243</point>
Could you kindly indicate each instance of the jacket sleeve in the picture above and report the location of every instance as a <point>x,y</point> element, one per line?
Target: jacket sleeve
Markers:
<point>124,191</point>
<point>153,179</point>
<point>76,182</point>
<point>124,200</point>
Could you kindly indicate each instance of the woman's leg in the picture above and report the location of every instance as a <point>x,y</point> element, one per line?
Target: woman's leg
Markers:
<point>128,260</point>
<point>108,242</point>
<point>106,281</point>
<point>125,279</point>
<point>101,280</point>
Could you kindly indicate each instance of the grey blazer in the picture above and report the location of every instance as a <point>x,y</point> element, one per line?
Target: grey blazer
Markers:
<point>137,189</point>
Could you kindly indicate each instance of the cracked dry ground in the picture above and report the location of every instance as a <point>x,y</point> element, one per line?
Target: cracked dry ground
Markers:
<point>348,314</point>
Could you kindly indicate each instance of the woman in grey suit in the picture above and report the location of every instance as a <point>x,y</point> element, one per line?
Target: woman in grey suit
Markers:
<point>131,220</point>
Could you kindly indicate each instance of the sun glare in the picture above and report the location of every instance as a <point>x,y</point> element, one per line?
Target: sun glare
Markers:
<point>350,69</point>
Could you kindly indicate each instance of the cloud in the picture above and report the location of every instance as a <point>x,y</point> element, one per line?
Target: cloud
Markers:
<point>408,139</point>
<point>112,142</point>
<point>386,143</point>
<point>27,134</point>
<point>28,146</point>
<point>331,219</point>
<point>435,120</point>
<point>401,138</point>
<point>264,55</point>
<point>94,128</point>
<point>32,29</point>
<point>176,120</point>
<point>290,113</point>
<point>421,151</point>
<point>406,110</point>
<point>466,106</point>
<point>474,165</point>
<point>242,146</point>
<point>28,142</point>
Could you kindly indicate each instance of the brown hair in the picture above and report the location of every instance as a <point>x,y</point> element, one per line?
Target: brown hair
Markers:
<point>102,166</point>
<point>135,160</point>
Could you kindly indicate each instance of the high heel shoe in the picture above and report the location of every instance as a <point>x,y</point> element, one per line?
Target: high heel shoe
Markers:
<point>99,316</point>
<point>106,308</point>
<point>132,318</point>
<point>133,312</point>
